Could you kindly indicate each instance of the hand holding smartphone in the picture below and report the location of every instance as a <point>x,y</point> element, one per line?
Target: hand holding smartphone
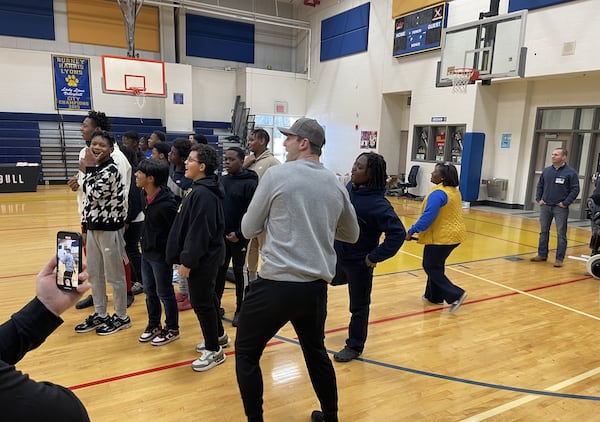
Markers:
<point>68,258</point>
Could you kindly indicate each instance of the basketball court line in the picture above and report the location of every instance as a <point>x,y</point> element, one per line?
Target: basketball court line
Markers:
<point>523,292</point>
<point>281,339</point>
<point>529,398</point>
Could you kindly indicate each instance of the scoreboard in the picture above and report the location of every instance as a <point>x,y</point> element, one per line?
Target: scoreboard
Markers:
<point>420,31</point>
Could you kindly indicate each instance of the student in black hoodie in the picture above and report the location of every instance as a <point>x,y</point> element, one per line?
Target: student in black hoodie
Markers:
<point>356,261</point>
<point>196,242</point>
<point>239,185</point>
<point>160,210</point>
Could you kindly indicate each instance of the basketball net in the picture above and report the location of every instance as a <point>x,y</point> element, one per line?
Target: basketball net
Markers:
<point>460,78</point>
<point>140,98</point>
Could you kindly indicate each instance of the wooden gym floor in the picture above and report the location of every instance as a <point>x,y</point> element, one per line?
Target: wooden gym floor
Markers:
<point>522,346</point>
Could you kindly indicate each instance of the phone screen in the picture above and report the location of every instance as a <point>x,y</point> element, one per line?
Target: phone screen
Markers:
<point>68,256</point>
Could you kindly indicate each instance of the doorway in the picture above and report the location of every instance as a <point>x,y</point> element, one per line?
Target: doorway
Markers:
<point>583,155</point>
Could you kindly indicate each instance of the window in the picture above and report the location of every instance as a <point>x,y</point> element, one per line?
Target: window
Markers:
<point>270,123</point>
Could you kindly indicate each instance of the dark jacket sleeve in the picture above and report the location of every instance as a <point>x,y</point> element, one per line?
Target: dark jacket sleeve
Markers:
<point>395,234</point>
<point>30,400</point>
<point>136,201</point>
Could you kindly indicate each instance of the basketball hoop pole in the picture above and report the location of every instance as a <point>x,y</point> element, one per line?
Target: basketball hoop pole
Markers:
<point>130,9</point>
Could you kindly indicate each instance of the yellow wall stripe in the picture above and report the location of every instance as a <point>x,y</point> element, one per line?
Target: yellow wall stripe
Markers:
<point>100,22</point>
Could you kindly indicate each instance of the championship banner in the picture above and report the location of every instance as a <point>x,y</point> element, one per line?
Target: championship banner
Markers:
<point>72,86</point>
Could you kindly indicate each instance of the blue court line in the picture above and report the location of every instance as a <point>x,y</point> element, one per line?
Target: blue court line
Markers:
<point>461,380</point>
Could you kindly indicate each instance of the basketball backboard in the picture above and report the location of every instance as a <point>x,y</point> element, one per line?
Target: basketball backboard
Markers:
<point>126,75</point>
<point>493,46</point>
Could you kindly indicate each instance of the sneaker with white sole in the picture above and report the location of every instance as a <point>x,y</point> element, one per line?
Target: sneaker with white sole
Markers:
<point>149,333</point>
<point>223,342</point>
<point>165,337</point>
<point>91,323</point>
<point>113,325</point>
<point>208,360</point>
<point>456,304</point>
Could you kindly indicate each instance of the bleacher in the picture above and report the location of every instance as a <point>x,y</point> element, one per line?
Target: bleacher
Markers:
<point>54,140</point>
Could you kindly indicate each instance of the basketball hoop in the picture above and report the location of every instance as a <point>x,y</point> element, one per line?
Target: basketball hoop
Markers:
<point>460,77</point>
<point>138,93</point>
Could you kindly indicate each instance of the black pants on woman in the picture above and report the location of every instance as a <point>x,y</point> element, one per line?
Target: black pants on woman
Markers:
<point>439,288</point>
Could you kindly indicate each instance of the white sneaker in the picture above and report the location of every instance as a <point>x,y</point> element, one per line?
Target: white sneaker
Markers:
<point>223,342</point>
<point>208,360</point>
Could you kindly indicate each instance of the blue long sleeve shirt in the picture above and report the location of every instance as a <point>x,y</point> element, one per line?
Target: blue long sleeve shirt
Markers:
<point>436,200</point>
<point>558,185</point>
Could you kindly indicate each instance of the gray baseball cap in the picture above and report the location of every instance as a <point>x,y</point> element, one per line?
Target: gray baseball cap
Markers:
<point>306,128</point>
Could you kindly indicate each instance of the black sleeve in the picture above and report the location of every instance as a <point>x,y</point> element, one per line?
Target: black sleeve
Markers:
<point>23,398</point>
<point>26,330</point>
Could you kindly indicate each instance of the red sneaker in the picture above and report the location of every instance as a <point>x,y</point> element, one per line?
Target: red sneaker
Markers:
<point>184,305</point>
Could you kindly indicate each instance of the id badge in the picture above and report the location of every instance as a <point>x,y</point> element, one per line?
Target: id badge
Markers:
<point>559,180</point>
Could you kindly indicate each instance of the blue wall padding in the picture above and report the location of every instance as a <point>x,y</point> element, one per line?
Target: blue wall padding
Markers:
<point>514,5</point>
<point>27,18</point>
<point>219,39</point>
<point>346,33</point>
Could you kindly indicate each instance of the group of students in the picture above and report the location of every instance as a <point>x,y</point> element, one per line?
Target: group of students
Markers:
<point>314,231</point>
<point>179,212</point>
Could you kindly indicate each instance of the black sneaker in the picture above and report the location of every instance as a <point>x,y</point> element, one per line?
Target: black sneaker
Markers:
<point>113,325</point>
<point>137,288</point>
<point>317,416</point>
<point>85,303</point>
<point>91,323</point>
<point>346,355</point>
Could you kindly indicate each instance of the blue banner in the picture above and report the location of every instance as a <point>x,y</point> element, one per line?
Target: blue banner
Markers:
<point>72,87</point>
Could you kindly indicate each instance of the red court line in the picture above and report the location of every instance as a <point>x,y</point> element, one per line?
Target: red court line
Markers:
<point>277,342</point>
<point>2,277</point>
<point>149,371</point>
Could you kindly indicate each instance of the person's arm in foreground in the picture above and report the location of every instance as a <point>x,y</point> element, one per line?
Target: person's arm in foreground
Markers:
<point>24,398</point>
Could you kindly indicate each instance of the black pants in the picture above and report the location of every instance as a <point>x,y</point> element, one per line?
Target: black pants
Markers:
<point>236,252</point>
<point>132,248</point>
<point>360,283</point>
<point>201,285</point>
<point>439,287</point>
<point>267,307</point>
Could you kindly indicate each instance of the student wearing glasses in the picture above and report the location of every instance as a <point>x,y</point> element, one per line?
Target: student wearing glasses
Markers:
<point>197,243</point>
<point>441,229</point>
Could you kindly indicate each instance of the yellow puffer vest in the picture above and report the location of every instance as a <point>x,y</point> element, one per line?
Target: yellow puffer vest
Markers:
<point>448,228</point>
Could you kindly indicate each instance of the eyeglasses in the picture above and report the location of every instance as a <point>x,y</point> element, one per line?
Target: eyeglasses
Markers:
<point>191,160</point>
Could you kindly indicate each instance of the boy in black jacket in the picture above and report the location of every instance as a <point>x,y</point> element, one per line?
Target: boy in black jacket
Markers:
<point>196,243</point>
<point>160,211</point>
<point>239,185</point>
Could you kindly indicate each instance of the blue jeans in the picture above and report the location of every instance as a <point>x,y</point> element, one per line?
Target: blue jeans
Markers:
<point>157,279</point>
<point>560,215</point>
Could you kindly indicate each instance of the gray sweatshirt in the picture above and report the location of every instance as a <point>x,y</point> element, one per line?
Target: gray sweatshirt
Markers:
<point>302,207</point>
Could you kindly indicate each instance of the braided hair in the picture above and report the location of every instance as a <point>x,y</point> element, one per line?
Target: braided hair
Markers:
<point>100,119</point>
<point>376,167</point>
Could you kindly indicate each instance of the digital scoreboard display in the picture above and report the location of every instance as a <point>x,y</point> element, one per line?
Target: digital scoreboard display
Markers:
<point>420,31</point>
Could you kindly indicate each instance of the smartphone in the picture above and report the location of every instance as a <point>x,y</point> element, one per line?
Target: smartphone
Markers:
<point>68,259</point>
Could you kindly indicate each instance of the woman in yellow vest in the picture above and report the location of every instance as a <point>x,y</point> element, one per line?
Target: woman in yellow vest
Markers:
<point>441,228</point>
